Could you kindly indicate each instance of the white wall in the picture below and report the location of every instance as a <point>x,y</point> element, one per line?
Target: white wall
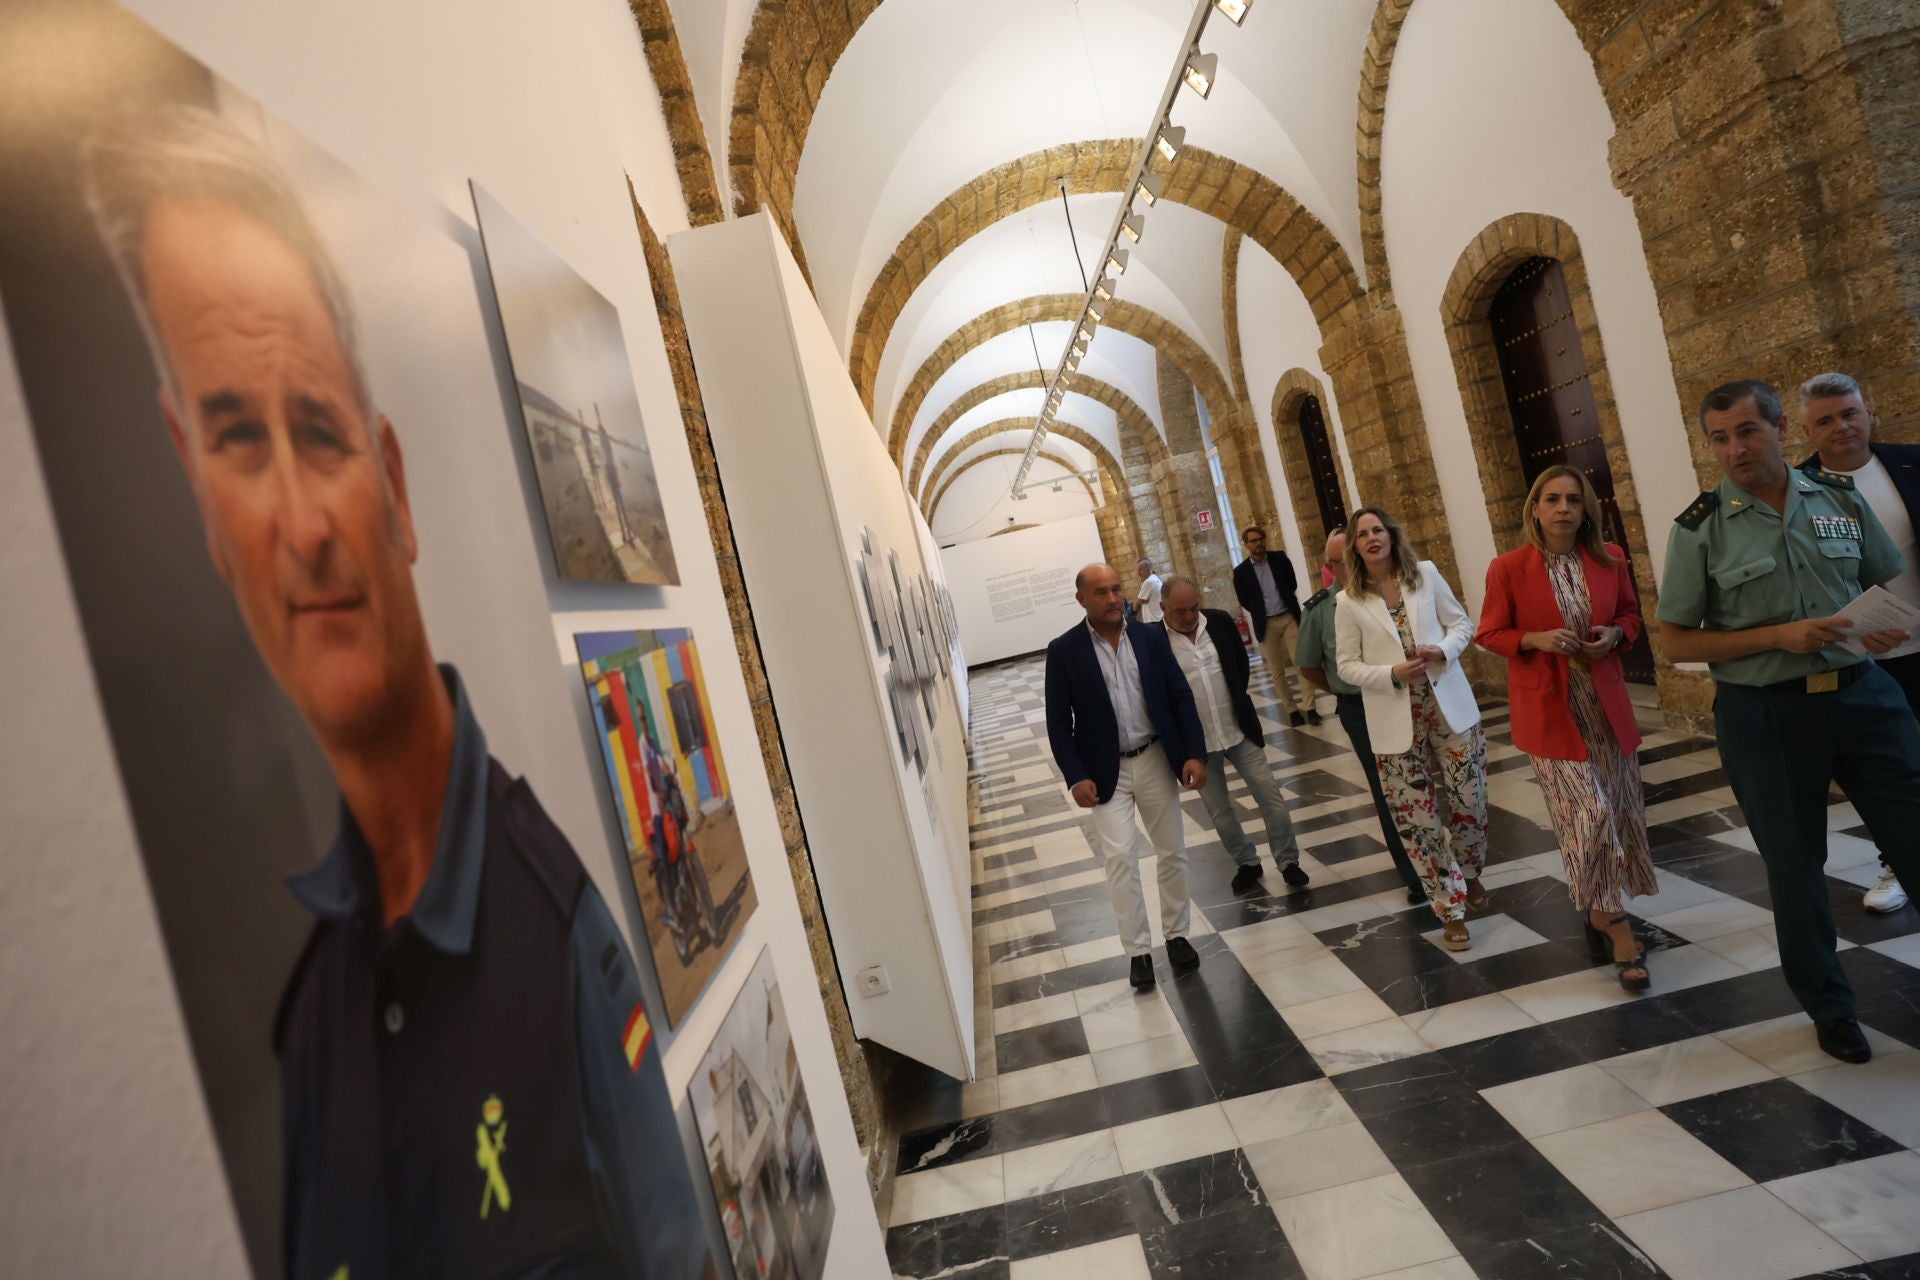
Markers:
<point>1014,593</point>
<point>1492,110</point>
<point>546,106</point>
<point>980,503</point>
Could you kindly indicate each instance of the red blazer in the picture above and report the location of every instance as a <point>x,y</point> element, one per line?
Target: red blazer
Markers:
<point>1520,599</point>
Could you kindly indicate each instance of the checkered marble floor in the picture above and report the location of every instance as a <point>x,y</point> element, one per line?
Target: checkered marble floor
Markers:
<point>1332,1095</point>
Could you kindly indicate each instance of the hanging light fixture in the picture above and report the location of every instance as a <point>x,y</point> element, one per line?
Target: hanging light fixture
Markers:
<point>1234,11</point>
<point>1200,72</point>
<point>1152,187</point>
<point>1103,288</point>
<point>1132,225</point>
<point>1117,262</point>
<point>1171,140</point>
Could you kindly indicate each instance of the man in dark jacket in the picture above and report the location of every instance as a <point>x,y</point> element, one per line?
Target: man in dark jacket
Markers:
<point>1840,421</point>
<point>1266,588</point>
<point>1122,725</point>
<point>1207,645</point>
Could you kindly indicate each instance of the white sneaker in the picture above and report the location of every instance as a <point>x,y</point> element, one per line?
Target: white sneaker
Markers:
<point>1886,895</point>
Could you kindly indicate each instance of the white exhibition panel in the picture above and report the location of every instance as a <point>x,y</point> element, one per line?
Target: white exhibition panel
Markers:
<point>807,477</point>
<point>1014,592</point>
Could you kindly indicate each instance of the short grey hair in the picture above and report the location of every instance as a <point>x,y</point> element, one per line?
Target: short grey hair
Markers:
<point>186,153</point>
<point>1822,385</point>
<point>1166,588</point>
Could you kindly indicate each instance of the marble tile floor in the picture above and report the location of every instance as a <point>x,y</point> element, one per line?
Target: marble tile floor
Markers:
<point>1333,1096</point>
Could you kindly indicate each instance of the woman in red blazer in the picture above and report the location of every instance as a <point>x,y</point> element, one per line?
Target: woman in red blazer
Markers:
<point>1556,610</point>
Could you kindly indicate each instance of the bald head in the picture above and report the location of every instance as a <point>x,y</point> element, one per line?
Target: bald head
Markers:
<point>1335,557</point>
<point>1180,600</point>
<point>1097,588</point>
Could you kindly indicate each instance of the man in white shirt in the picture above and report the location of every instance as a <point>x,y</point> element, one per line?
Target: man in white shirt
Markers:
<point>1148,596</point>
<point>1840,420</point>
<point>1207,645</point>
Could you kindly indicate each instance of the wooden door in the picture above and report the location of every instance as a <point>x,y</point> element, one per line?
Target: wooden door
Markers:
<point>1554,416</point>
<point>1320,464</point>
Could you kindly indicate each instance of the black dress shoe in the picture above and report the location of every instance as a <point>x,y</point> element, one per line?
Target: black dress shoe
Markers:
<point>1182,956</point>
<point>1416,896</point>
<point>1246,878</point>
<point>1313,717</point>
<point>1296,719</point>
<point>1293,875</point>
<point>1843,1039</point>
<point>1141,972</point>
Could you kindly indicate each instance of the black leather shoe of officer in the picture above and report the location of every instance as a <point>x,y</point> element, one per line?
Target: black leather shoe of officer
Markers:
<point>1141,972</point>
<point>1293,875</point>
<point>1843,1039</point>
<point>1313,717</point>
<point>1246,878</point>
<point>1296,719</point>
<point>1182,956</point>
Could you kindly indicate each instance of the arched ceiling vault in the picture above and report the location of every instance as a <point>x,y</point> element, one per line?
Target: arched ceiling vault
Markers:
<point>1102,458</point>
<point>1045,455</point>
<point>1130,418</point>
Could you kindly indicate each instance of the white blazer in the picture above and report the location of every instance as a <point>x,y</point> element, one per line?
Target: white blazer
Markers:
<point>1369,649</point>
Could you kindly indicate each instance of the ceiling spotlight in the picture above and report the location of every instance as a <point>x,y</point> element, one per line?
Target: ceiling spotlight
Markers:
<point>1152,185</point>
<point>1201,69</point>
<point>1117,262</point>
<point>1094,311</point>
<point>1171,138</point>
<point>1132,226</point>
<point>1234,11</point>
<point>1056,486</point>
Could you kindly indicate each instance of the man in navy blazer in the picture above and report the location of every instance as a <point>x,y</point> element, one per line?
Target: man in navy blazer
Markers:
<point>1123,727</point>
<point>1840,421</point>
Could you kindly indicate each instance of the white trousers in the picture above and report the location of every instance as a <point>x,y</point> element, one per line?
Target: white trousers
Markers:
<point>1147,786</point>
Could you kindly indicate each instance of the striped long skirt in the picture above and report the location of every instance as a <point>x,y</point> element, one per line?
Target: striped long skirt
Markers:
<point>1598,811</point>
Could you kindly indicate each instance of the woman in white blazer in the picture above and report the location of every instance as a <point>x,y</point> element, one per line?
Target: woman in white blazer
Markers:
<point>1400,632</point>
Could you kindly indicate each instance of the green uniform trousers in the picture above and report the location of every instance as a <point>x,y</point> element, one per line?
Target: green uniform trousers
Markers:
<point>1781,747</point>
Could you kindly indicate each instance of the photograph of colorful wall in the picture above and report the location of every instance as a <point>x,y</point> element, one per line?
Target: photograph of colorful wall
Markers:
<point>669,787</point>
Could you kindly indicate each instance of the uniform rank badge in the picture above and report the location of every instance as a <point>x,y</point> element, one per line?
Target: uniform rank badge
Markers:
<point>490,1135</point>
<point>634,1039</point>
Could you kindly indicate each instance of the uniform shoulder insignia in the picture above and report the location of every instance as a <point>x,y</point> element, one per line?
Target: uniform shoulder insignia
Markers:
<point>1833,479</point>
<point>1316,598</point>
<point>1696,515</point>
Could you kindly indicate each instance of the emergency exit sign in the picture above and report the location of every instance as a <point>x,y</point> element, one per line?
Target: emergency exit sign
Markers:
<point>1203,520</point>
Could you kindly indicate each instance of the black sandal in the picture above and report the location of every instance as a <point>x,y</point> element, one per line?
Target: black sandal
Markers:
<point>1600,947</point>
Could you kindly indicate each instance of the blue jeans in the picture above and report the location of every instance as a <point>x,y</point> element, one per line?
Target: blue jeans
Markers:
<point>1251,760</point>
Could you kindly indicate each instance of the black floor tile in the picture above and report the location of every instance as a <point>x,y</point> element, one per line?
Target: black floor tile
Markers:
<point>1317,786</point>
<point>962,1246</point>
<point>1334,852</point>
<point>1192,1190</point>
<point>944,1144</point>
<point>1039,1122</point>
<point>1405,1082</point>
<point>1517,1055</point>
<point>1072,1218</point>
<point>1510,836</point>
<point>1776,1129</point>
<point>1904,1267</point>
<point>1499,1197</point>
<point>1624,1028</point>
<point>1856,924</point>
<point>1712,822</point>
<point>1157,1095</point>
<point>1012,857</point>
<point>1091,974</point>
<point>1731,1002</point>
<point>1037,1046</point>
<point>1229,1247</point>
<point>1591,1251</point>
<point>1443,1129</point>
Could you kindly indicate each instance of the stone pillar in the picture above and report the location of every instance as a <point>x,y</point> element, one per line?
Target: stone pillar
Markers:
<point>1186,483</point>
<point>1117,539</point>
<point>1144,498</point>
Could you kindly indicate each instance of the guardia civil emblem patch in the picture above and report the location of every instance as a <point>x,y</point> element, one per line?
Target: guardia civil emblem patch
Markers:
<point>490,1135</point>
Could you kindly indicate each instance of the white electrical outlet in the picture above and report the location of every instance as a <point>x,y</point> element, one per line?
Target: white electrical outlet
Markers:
<point>874,980</point>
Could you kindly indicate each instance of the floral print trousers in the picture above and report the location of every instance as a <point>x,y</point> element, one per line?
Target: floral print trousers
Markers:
<point>1447,847</point>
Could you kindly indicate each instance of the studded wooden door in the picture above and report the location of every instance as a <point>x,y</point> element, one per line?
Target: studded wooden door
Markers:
<point>1554,417</point>
<point>1320,464</point>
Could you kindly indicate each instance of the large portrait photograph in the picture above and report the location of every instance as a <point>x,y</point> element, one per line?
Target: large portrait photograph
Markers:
<point>668,783</point>
<point>762,1152</point>
<point>581,413</point>
<point>278,449</point>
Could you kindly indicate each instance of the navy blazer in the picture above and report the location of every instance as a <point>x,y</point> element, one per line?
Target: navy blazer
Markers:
<point>1081,725</point>
<point>1902,462</point>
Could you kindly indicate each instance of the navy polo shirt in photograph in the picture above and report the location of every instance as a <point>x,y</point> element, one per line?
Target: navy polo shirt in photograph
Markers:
<point>474,1091</point>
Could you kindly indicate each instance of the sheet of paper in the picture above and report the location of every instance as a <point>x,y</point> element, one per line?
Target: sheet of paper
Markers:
<point>1878,609</point>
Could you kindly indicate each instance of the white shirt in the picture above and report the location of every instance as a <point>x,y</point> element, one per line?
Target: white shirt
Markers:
<point>1199,658</point>
<point>1269,589</point>
<point>1121,670</point>
<point>1875,485</point>
<point>1149,598</point>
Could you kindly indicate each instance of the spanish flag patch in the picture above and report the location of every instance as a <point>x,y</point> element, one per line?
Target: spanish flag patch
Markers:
<point>634,1040</point>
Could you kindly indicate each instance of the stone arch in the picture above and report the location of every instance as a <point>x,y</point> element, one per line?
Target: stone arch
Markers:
<point>1102,459</point>
<point>971,463</point>
<point>684,130</point>
<point>1484,266</point>
<point>1244,198</point>
<point>1294,386</point>
<point>1375,64</point>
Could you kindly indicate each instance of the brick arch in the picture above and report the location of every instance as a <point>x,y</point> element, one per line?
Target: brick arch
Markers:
<point>1102,458</point>
<point>1244,198</point>
<point>1294,386</point>
<point>684,130</point>
<point>1375,64</point>
<point>1044,454</point>
<point>1131,416</point>
<point>1121,316</point>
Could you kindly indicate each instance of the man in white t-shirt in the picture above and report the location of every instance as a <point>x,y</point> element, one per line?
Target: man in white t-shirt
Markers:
<point>1839,421</point>
<point>1149,594</point>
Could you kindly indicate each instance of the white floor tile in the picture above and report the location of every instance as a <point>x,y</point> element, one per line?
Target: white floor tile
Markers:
<point>1570,994</point>
<point>1335,1013</point>
<point>1638,1162</point>
<point>1882,1092</point>
<point>1685,1069</point>
<point>1054,1080</point>
<point>1454,1268</point>
<point>953,1188</point>
<point>1906,950</point>
<point>1272,944</point>
<point>1055,1166</point>
<point>1034,1013</point>
<point>1181,1135</point>
<point>1281,1113</point>
<point>1870,1206</point>
<point>1750,949</point>
<point>1316,1160</point>
<point>1121,1258</point>
<point>1711,919</point>
<point>1310,980</point>
<point>1740,1233</point>
<point>1020,926</point>
<point>1361,1229</point>
<point>1143,1058</point>
<point>1444,1026</point>
<point>1788,1047</point>
<point>1560,1100</point>
<point>1128,1017</point>
<point>1676,894</point>
<point>1683,967</point>
<point>1028,966</point>
<point>1094,949</point>
<point>1370,1045</point>
<point>1492,935</point>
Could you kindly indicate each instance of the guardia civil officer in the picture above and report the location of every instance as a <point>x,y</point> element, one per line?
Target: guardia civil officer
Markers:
<point>468,1083</point>
<point>1760,571</point>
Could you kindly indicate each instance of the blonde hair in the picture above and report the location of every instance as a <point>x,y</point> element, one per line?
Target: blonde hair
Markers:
<point>1589,535</point>
<point>1405,560</point>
